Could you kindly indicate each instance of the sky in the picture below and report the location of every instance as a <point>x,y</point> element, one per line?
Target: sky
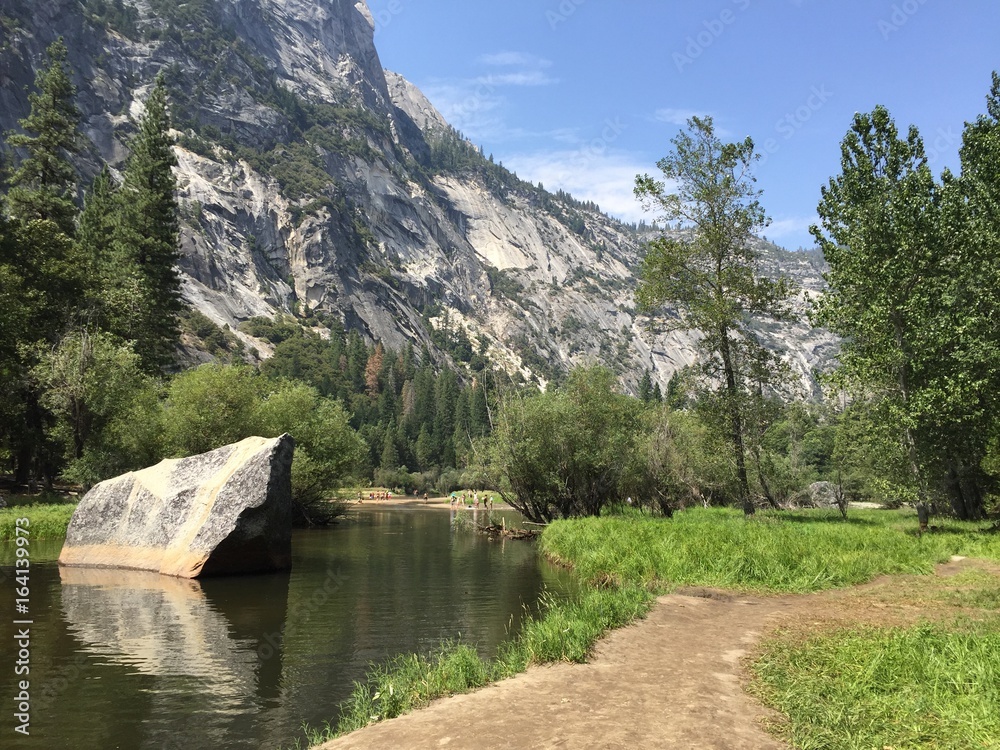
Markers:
<point>583,95</point>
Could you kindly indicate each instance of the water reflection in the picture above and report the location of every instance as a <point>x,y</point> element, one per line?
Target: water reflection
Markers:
<point>172,628</point>
<point>132,659</point>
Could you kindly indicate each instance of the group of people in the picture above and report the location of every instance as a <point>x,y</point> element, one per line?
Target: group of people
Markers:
<point>460,500</point>
<point>381,495</point>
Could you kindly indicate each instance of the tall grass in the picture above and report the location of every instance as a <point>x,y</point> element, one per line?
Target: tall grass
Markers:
<point>929,686</point>
<point>45,521</point>
<point>789,552</point>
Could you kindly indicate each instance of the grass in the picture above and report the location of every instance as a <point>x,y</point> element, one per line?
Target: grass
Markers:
<point>927,686</point>
<point>629,559</point>
<point>46,520</point>
<point>772,552</point>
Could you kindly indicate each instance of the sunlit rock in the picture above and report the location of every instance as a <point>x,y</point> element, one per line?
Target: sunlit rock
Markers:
<point>222,512</point>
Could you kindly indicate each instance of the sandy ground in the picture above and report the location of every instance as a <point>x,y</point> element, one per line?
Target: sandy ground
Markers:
<point>671,680</point>
<point>404,501</point>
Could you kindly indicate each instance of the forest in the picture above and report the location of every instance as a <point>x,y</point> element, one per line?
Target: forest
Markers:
<point>92,319</point>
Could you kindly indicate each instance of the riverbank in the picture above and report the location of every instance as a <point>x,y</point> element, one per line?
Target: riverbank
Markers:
<point>45,520</point>
<point>404,501</point>
<point>636,556</point>
<point>676,679</point>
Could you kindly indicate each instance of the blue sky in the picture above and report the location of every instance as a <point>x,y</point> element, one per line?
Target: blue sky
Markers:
<point>585,94</point>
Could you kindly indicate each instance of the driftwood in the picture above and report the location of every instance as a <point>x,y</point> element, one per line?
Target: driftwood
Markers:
<point>500,531</point>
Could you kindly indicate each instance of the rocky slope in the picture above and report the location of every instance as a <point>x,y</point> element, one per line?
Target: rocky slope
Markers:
<point>314,182</point>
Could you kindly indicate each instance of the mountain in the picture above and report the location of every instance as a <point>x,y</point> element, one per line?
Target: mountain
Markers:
<point>313,182</point>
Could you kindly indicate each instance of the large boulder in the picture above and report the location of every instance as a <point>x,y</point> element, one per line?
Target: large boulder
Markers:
<point>221,512</point>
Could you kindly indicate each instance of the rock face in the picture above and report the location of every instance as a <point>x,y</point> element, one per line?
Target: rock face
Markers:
<point>222,512</point>
<point>314,182</point>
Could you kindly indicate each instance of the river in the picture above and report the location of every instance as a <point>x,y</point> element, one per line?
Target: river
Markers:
<point>135,660</point>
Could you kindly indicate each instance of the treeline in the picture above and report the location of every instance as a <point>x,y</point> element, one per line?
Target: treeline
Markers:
<point>585,446</point>
<point>418,422</point>
<point>72,276</point>
<point>90,312</point>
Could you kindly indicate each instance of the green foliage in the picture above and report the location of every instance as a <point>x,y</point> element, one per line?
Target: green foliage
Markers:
<point>46,520</point>
<point>214,405</point>
<point>714,278</point>
<point>42,187</point>
<point>567,452</point>
<point>220,342</point>
<point>913,286</point>
<point>210,406</point>
<point>327,449</point>
<point>115,15</point>
<point>106,409</point>
<point>930,686</point>
<point>147,239</point>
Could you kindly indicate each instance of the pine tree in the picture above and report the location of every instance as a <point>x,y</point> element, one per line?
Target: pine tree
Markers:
<point>44,184</point>
<point>38,261</point>
<point>94,239</point>
<point>646,387</point>
<point>390,455</point>
<point>147,237</point>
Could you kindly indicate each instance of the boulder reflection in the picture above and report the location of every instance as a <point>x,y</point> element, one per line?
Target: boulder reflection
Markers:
<point>172,627</point>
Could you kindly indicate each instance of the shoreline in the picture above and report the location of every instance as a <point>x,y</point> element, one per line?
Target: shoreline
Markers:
<point>405,502</point>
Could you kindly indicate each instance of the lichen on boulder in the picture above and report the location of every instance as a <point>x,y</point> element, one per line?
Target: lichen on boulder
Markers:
<point>222,512</point>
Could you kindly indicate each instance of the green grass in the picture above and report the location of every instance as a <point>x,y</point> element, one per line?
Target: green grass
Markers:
<point>771,552</point>
<point>46,520</point>
<point>927,686</point>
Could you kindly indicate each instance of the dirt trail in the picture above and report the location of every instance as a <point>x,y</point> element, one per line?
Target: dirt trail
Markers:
<point>671,680</point>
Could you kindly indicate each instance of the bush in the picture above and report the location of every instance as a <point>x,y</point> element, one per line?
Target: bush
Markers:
<point>568,452</point>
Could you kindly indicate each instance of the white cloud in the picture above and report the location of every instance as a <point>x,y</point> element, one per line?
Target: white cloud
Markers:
<point>791,226</point>
<point>522,78</point>
<point>606,178</point>
<point>520,59</point>
<point>677,116</point>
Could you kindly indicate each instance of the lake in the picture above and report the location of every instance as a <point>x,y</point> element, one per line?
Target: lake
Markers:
<point>129,659</point>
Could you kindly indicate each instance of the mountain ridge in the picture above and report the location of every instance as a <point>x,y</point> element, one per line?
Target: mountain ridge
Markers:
<point>311,181</point>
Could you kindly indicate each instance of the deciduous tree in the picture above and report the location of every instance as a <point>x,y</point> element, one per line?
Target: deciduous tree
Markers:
<point>711,271</point>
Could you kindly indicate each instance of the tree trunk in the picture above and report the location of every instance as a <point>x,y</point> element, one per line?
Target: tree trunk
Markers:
<point>736,423</point>
<point>964,492</point>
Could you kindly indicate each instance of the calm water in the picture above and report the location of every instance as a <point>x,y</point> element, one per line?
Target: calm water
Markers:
<point>125,659</point>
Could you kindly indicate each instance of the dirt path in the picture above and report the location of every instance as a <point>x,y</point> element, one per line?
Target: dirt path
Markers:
<point>671,680</point>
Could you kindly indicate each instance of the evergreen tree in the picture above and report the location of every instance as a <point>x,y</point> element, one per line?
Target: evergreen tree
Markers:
<point>38,261</point>
<point>44,184</point>
<point>94,238</point>
<point>645,387</point>
<point>390,455</point>
<point>147,237</point>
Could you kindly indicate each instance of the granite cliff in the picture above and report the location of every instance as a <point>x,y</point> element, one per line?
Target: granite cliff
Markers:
<point>314,182</point>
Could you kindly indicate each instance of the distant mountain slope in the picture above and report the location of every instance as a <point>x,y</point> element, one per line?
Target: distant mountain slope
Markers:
<point>315,182</point>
